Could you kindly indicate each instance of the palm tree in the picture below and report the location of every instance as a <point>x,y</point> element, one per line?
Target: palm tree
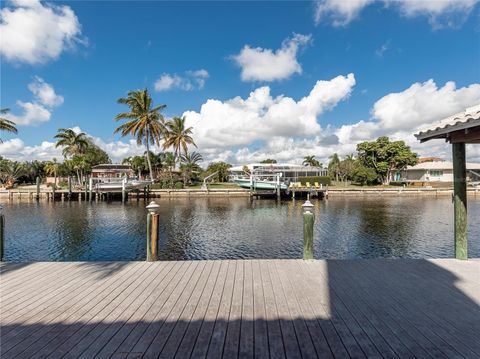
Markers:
<point>333,166</point>
<point>190,163</point>
<point>144,121</point>
<point>311,161</point>
<point>51,168</point>
<point>73,143</point>
<point>178,137</point>
<point>11,171</point>
<point>6,125</point>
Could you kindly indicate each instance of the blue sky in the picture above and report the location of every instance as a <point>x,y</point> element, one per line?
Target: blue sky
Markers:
<point>400,56</point>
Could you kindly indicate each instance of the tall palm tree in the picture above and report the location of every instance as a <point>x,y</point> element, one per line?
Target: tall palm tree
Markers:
<point>178,136</point>
<point>144,121</point>
<point>6,125</point>
<point>311,161</point>
<point>73,143</point>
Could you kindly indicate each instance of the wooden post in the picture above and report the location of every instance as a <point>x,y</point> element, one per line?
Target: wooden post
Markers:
<point>123,191</point>
<point>460,200</point>
<point>90,185</point>
<point>86,188</point>
<point>308,220</point>
<point>152,232</point>
<point>69,187</point>
<point>38,187</point>
<point>278,187</point>
<point>149,231</point>
<point>53,192</point>
<point>2,235</point>
<point>154,238</point>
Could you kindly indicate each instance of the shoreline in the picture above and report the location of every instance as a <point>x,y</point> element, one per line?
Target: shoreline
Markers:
<point>240,192</point>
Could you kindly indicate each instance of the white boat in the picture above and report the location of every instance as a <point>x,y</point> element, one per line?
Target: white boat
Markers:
<point>264,176</point>
<point>118,185</point>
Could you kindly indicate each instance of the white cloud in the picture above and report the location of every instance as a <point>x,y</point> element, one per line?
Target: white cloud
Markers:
<point>15,149</point>
<point>191,81</point>
<point>33,114</point>
<point>261,126</point>
<point>260,64</point>
<point>397,115</point>
<point>40,109</point>
<point>439,12</point>
<point>237,122</point>
<point>339,12</point>
<point>45,93</point>
<point>400,115</point>
<point>34,33</point>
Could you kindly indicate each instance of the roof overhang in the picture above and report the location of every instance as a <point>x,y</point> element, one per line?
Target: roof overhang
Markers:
<point>463,127</point>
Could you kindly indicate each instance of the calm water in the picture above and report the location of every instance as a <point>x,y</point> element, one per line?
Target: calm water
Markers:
<point>219,228</point>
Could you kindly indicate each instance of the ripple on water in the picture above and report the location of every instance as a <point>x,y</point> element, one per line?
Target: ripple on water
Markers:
<point>222,228</point>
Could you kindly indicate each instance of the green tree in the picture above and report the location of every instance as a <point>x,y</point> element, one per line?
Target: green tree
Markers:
<point>190,165</point>
<point>73,143</point>
<point>51,168</point>
<point>222,169</point>
<point>364,175</point>
<point>5,124</point>
<point>137,163</point>
<point>178,136</point>
<point>269,160</point>
<point>143,121</point>
<point>10,172</point>
<point>333,166</point>
<point>385,156</point>
<point>94,155</point>
<point>311,161</point>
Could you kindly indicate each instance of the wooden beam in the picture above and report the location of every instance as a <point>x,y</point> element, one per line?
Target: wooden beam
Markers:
<point>460,200</point>
<point>471,135</point>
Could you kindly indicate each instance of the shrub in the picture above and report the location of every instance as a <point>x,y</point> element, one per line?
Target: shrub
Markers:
<point>324,180</point>
<point>178,185</point>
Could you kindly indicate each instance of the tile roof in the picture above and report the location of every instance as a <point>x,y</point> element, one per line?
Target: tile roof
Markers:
<point>461,121</point>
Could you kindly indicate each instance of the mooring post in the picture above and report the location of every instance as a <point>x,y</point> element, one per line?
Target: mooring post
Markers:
<point>2,233</point>
<point>38,187</point>
<point>308,220</point>
<point>460,199</point>
<point>90,185</point>
<point>69,187</point>
<point>278,187</point>
<point>86,188</point>
<point>123,190</point>
<point>53,191</point>
<point>152,232</point>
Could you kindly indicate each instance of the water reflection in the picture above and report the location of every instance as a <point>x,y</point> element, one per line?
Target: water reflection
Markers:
<point>220,228</point>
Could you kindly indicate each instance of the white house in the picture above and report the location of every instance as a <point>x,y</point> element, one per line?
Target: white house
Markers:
<point>436,171</point>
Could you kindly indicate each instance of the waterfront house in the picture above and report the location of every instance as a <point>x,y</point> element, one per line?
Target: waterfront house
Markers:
<point>109,170</point>
<point>435,171</point>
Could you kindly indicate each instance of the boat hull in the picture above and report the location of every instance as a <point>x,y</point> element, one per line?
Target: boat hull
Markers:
<point>260,185</point>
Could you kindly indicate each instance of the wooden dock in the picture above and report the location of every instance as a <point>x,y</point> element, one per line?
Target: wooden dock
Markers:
<point>241,308</point>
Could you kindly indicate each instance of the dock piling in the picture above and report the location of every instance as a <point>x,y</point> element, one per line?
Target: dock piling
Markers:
<point>152,232</point>
<point>90,186</point>
<point>69,187</point>
<point>38,187</point>
<point>2,233</point>
<point>308,220</point>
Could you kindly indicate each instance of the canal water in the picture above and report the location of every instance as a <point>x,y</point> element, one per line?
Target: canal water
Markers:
<point>221,228</point>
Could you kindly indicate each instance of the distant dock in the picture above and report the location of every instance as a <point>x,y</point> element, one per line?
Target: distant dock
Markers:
<point>241,308</point>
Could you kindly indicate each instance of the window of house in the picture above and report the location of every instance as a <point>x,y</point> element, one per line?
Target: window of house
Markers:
<point>436,173</point>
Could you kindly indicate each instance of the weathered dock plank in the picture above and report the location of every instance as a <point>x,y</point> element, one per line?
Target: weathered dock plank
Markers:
<point>241,308</point>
